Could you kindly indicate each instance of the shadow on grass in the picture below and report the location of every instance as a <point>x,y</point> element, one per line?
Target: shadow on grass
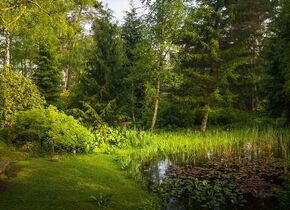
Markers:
<point>68,184</point>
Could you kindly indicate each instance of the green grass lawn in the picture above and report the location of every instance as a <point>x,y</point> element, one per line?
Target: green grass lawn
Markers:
<point>42,184</point>
<point>68,184</point>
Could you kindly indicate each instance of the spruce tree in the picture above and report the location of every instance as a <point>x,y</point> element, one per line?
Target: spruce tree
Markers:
<point>133,36</point>
<point>277,53</point>
<point>101,83</point>
<point>249,27</point>
<point>47,75</point>
<point>209,56</point>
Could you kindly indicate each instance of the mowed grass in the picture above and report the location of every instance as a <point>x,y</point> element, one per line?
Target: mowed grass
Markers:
<point>68,184</point>
<point>10,153</point>
<point>43,184</point>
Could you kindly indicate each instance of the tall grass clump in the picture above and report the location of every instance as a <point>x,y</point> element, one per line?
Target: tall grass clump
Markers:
<point>193,145</point>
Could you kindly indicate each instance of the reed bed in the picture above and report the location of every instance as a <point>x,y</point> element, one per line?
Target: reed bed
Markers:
<point>190,145</point>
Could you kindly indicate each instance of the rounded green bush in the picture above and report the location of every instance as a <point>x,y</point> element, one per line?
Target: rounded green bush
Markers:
<point>17,93</point>
<point>52,131</point>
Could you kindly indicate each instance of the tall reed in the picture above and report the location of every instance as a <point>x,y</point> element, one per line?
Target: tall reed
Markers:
<point>193,144</point>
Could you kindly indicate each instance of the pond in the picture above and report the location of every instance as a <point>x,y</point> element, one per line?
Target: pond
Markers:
<point>244,179</point>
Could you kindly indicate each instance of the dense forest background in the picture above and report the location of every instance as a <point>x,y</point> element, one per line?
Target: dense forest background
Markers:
<point>171,64</point>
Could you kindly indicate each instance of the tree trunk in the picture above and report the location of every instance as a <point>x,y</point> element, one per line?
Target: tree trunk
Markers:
<point>133,103</point>
<point>288,113</point>
<point>68,77</point>
<point>254,98</point>
<point>7,49</point>
<point>203,126</point>
<point>156,103</point>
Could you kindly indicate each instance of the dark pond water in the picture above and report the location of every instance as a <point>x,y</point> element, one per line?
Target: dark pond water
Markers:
<point>218,181</point>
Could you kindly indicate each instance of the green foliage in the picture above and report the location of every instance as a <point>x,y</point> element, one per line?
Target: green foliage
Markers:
<point>183,59</point>
<point>118,137</point>
<point>282,194</point>
<point>17,93</point>
<point>108,139</point>
<point>209,56</point>
<point>101,200</point>
<point>257,177</point>
<point>150,205</point>
<point>52,131</point>
<point>278,63</point>
<point>171,116</point>
<point>142,77</point>
<point>88,116</point>
<point>47,75</point>
<point>101,83</point>
<point>163,19</point>
<point>194,145</point>
<point>133,34</point>
<point>207,194</point>
<point>249,29</point>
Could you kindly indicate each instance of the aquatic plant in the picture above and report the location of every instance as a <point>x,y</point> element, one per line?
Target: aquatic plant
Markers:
<point>282,193</point>
<point>207,194</point>
<point>243,163</point>
<point>194,147</point>
<point>257,177</point>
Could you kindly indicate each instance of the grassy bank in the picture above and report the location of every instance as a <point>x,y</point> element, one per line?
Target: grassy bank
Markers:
<point>68,184</point>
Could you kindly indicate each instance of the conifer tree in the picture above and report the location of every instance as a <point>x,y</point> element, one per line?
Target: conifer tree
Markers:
<point>47,75</point>
<point>209,55</point>
<point>277,53</point>
<point>100,85</point>
<point>249,27</point>
<point>133,36</point>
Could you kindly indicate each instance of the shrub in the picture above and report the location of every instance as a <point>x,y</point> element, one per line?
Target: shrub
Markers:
<point>118,137</point>
<point>17,93</point>
<point>52,131</point>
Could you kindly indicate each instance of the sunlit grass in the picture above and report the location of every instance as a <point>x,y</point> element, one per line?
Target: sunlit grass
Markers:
<point>68,184</point>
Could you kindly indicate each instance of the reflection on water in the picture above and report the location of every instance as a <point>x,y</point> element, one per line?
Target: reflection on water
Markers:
<point>156,170</point>
<point>209,154</point>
